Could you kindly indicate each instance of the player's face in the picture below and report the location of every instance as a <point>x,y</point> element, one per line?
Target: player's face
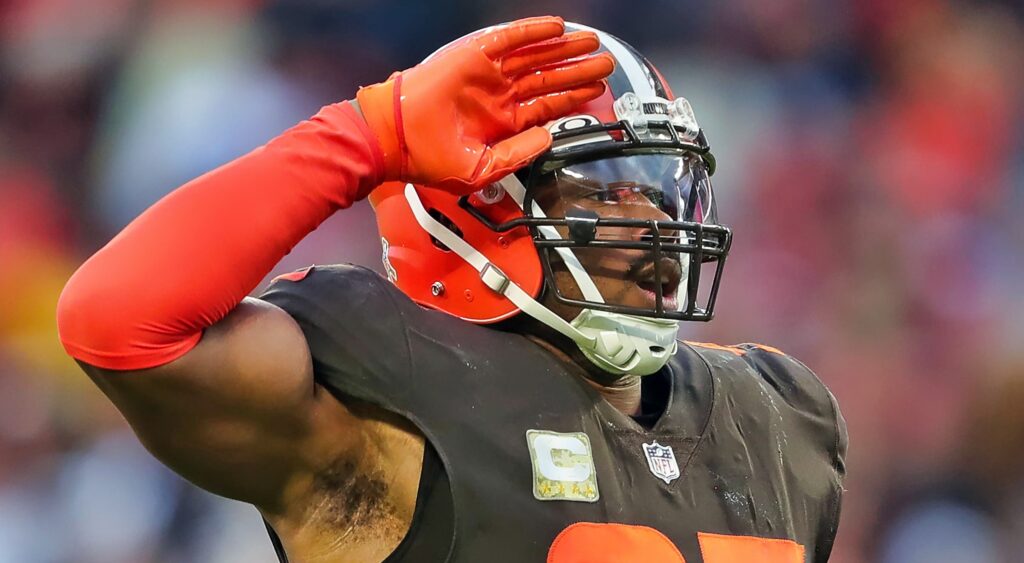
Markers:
<point>645,187</point>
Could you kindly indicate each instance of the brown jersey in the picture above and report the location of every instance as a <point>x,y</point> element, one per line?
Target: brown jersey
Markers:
<point>745,463</point>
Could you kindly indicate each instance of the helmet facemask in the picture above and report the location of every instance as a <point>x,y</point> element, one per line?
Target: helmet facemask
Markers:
<point>647,219</point>
<point>639,206</point>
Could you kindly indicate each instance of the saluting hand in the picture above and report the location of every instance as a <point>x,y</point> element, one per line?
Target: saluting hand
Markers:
<point>470,113</point>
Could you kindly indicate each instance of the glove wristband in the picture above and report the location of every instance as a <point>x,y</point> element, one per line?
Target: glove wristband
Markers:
<point>382,109</point>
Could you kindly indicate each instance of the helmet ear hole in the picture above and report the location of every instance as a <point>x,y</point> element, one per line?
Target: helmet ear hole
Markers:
<point>447,223</point>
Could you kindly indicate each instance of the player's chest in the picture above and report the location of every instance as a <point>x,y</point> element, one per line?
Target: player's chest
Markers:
<point>603,494</point>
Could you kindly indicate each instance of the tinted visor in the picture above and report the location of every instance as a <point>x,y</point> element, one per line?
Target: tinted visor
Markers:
<point>676,185</point>
<point>640,226</point>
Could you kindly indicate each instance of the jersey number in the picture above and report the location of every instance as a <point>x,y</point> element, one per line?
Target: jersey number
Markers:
<point>588,542</point>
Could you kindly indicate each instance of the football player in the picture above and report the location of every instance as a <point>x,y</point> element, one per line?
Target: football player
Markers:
<point>514,391</point>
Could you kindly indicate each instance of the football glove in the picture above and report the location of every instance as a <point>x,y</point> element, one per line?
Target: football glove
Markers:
<point>471,113</point>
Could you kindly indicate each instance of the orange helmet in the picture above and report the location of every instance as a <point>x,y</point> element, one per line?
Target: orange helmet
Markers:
<point>490,255</point>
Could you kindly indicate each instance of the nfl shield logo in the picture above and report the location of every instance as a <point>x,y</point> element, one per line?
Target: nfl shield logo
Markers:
<point>662,461</point>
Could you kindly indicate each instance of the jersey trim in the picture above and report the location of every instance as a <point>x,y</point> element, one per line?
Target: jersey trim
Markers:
<point>712,346</point>
<point>297,275</point>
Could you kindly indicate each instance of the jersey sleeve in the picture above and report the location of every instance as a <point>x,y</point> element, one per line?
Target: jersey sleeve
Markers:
<point>354,327</point>
<point>828,537</point>
<point>804,392</point>
<point>821,418</point>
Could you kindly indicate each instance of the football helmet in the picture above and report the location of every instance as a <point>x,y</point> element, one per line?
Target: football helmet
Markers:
<point>627,177</point>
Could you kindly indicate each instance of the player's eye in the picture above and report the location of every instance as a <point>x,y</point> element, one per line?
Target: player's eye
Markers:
<point>621,194</point>
<point>614,195</point>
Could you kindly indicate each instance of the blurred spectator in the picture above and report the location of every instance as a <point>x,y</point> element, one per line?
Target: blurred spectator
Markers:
<point>869,164</point>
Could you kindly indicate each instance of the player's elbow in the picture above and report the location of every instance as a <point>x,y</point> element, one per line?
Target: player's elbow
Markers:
<point>99,322</point>
<point>78,313</point>
<point>85,317</point>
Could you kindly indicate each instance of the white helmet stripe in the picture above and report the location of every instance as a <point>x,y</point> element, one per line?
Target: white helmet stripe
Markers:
<point>639,76</point>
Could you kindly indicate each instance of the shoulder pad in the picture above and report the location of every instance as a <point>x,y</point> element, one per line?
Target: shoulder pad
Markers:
<point>802,388</point>
<point>791,380</point>
<point>794,381</point>
<point>352,320</point>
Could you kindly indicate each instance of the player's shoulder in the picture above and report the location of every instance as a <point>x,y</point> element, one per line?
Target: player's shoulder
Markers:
<point>353,323</point>
<point>788,376</point>
<point>760,366</point>
<point>335,293</point>
<point>352,295</point>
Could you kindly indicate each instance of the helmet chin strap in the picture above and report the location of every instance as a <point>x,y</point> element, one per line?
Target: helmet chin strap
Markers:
<point>617,343</point>
<point>630,345</point>
<point>641,346</point>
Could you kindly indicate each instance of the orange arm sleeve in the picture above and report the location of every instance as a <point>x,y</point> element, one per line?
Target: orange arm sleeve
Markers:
<point>144,299</point>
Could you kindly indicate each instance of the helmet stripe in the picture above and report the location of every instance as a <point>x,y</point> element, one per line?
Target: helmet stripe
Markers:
<point>652,75</point>
<point>618,81</point>
<point>639,78</point>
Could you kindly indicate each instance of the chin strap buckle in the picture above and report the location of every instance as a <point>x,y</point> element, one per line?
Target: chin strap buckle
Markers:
<point>494,278</point>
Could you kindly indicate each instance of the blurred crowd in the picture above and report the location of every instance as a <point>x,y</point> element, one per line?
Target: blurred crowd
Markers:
<point>868,162</point>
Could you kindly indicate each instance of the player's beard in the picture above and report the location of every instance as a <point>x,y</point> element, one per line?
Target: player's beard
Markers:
<point>623,277</point>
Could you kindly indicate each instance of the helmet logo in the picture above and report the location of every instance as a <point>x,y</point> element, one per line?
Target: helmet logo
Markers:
<point>572,123</point>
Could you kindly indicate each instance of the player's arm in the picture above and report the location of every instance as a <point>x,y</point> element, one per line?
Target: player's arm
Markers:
<point>235,414</point>
<point>221,389</point>
<point>820,420</point>
<point>218,388</point>
<point>827,536</point>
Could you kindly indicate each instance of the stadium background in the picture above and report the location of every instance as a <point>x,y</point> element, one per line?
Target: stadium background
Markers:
<point>870,164</point>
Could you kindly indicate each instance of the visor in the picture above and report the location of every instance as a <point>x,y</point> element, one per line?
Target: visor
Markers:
<point>630,233</point>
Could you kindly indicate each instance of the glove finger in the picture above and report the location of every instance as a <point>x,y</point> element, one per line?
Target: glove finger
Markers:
<point>512,154</point>
<point>552,51</point>
<point>563,76</point>
<point>507,38</point>
<point>551,106</point>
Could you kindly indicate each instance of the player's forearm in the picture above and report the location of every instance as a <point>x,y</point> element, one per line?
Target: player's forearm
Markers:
<point>144,299</point>
<point>458,121</point>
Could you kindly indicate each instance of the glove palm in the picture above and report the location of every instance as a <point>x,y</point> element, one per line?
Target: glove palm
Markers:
<point>470,113</point>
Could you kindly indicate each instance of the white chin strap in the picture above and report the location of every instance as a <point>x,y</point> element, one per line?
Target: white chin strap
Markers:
<point>617,343</point>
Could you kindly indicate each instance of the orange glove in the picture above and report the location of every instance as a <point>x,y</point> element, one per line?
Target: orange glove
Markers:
<point>470,114</point>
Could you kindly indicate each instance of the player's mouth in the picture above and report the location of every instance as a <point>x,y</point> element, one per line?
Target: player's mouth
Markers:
<point>671,277</point>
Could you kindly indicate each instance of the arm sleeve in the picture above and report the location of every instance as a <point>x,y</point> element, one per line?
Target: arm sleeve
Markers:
<point>144,299</point>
